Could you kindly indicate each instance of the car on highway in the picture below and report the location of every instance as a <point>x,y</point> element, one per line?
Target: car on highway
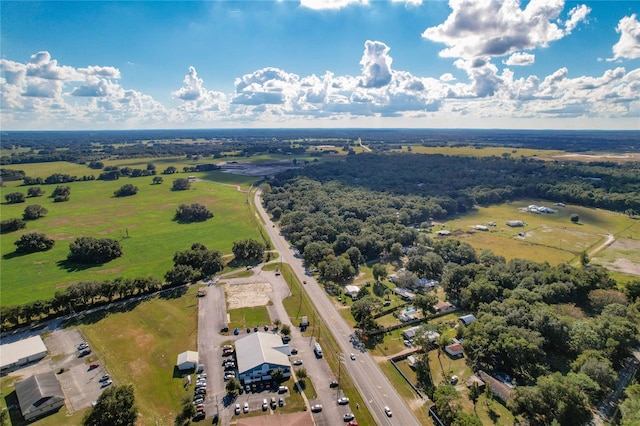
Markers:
<point>297,362</point>
<point>343,401</point>
<point>348,417</point>
<point>388,412</point>
<point>353,357</point>
<point>353,423</point>
<point>237,410</point>
<point>246,407</point>
<point>304,282</point>
<point>316,408</point>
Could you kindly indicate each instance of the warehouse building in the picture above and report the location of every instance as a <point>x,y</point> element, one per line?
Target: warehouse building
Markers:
<point>22,352</point>
<point>259,355</point>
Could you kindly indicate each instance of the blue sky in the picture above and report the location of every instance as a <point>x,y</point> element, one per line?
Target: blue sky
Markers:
<point>550,64</point>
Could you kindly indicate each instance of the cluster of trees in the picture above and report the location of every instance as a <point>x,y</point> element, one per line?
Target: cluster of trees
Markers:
<point>31,212</point>
<point>115,172</point>
<point>34,211</point>
<point>33,242</point>
<point>194,264</point>
<point>248,250</point>
<point>114,407</point>
<point>61,193</point>
<point>15,198</point>
<point>192,213</point>
<point>126,191</point>
<point>11,225</point>
<point>77,297</point>
<point>181,184</point>
<point>91,250</point>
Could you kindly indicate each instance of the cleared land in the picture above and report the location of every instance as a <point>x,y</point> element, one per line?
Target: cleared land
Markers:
<point>549,237</point>
<point>143,224</point>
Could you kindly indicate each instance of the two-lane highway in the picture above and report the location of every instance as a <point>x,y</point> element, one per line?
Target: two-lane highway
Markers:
<point>373,385</point>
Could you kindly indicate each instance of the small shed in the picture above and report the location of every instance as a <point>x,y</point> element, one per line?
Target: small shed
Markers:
<point>351,291</point>
<point>467,319</point>
<point>454,350</point>
<point>187,360</point>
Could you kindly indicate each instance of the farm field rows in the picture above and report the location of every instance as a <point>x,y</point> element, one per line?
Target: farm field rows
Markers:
<point>143,224</point>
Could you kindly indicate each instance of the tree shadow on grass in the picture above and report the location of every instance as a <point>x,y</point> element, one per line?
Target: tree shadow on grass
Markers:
<point>70,266</point>
<point>96,316</point>
<point>13,255</point>
<point>174,293</point>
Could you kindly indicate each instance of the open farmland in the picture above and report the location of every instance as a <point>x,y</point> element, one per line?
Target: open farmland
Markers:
<point>545,237</point>
<point>143,224</point>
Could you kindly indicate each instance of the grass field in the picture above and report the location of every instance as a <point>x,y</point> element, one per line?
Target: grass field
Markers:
<point>547,237</point>
<point>471,151</point>
<point>139,346</point>
<point>143,224</point>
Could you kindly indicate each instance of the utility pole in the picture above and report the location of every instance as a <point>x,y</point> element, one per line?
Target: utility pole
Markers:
<point>340,361</point>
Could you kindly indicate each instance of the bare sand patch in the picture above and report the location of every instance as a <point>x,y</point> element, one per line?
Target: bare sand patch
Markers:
<point>247,295</point>
<point>621,256</point>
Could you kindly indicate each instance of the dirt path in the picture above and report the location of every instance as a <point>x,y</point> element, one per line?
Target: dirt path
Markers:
<point>610,240</point>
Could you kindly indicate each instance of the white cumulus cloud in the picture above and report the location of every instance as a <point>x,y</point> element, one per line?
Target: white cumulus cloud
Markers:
<point>500,27</point>
<point>520,59</point>
<point>376,64</point>
<point>628,47</point>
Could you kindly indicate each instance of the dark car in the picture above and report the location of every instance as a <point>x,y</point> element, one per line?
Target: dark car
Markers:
<point>236,331</point>
<point>224,330</point>
<point>248,330</point>
<point>85,353</point>
<point>333,384</point>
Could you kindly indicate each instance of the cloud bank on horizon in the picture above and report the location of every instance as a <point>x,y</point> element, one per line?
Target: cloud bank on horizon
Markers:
<point>488,44</point>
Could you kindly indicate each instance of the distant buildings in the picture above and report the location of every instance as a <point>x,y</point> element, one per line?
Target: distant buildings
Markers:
<point>404,293</point>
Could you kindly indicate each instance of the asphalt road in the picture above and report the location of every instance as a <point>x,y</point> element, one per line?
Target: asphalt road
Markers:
<point>373,385</point>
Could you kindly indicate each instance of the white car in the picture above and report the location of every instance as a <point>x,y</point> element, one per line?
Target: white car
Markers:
<point>237,409</point>
<point>343,401</point>
<point>265,404</point>
<point>246,407</point>
<point>348,417</point>
<point>388,412</point>
<point>353,357</point>
<point>297,362</point>
<point>106,383</point>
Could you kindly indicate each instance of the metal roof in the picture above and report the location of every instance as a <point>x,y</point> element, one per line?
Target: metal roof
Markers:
<point>259,348</point>
<point>37,390</point>
<point>11,353</point>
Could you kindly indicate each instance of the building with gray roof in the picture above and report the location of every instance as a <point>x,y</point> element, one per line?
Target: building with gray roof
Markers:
<point>39,395</point>
<point>259,355</point>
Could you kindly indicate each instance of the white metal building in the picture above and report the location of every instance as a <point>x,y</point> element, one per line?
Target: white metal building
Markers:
<point>259,355</point>
<point>187,360</point>
<point>22,352</point>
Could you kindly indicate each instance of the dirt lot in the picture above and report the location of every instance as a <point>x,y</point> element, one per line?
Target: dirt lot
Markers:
<point>247,295</point>
<point>621,256</point>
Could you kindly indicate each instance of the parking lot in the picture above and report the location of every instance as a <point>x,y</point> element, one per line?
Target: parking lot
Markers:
<point>80,383</point>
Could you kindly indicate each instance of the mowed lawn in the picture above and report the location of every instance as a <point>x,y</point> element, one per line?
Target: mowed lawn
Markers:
<point>143,224</point>
<point>547,237</point>
<point>140,347</point>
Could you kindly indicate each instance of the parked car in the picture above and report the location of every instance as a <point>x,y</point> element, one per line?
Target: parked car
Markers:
<point>265,404</point>
<point>237,411</point>
<point>353,357</point>
<point>247,388</point>
<point>224,330</point>
<point>343,401</point>
<point>281,402</point>
<point>248,330</point>
<point>388,412</point>
<point>106,383</point>
<point>316,408</point>
<point>348,417</point>
<point>105,378</point>
<point>297,362</point>
<point>236,331</point>
<point>333,384</point>
<point>246,407</point>
<point>266,328</point>
<point>85,353</point>
<point>255,329</point>
<point>294,351</point>
<point>83,346</point>
<point>283,389</point>
<point>229,376</point>
<point>93,366</point>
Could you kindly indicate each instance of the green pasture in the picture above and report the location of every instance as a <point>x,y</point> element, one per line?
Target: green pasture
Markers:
<point>489,151</point>
<point>139,346</point>
<point>547,237</point>
<point>143,224</point>
<point>249,318</point>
